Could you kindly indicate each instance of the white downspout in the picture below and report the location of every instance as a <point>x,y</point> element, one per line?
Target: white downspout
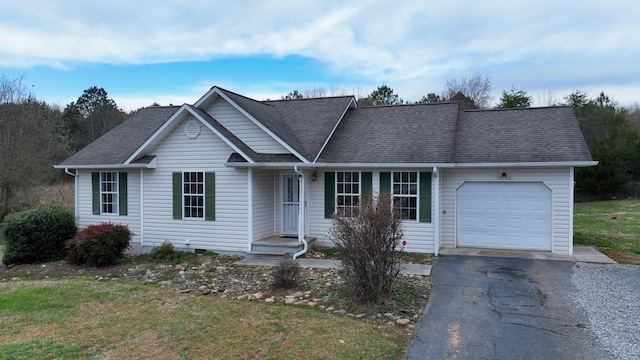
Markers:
<point>437,211</point>
<point>301,206</point>
<point>141,208</point>
<point>75,191</point>
<point>250,207</point>
<point>572,185</point>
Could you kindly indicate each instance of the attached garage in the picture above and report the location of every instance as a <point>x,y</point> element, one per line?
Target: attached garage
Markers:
<point>504,215</point>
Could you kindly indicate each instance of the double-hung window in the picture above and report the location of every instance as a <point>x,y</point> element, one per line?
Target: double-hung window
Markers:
<point>405,193</point>
<point>109,192</point>
<point>193,194</point>
<point>348,192</point>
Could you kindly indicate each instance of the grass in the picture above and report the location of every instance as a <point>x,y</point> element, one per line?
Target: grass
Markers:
<point>85,319</point>
<point>611,226</point>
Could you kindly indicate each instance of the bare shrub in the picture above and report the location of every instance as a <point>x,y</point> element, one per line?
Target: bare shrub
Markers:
<point>286,275</point>
<point>367,244</point>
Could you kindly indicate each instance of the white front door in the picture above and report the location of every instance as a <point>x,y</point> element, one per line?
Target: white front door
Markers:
<point>290,204</point>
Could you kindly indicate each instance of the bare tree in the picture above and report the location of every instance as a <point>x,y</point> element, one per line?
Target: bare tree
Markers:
<point>477,89</point>
<point>548,97</point>
<point>13,90</point>
<point>33,137</point>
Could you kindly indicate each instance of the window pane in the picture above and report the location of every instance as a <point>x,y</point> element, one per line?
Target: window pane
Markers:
<point>356,176</point>
<point>200,176</point>
<point>414,177</point>
<point>405,177</point>
<point>356,189</point>
<point>340,176</point>
<point>340,188</point>
<point>347,188</point>
<point>200,188</point>
<point>396,188</point>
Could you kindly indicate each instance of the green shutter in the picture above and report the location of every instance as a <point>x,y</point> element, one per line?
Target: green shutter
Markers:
<point>95,192</point>
<point>329,194</point>
<point>366,178</point>
<point>209,196</point>
<point>425,196</point>
<point>122,193</point>
<point>177,195</point>
<point>385,181</point>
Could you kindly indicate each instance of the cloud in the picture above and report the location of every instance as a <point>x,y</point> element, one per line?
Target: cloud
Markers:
<point>417,46</point>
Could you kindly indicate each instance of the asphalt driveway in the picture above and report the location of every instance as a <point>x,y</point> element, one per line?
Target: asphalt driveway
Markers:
<point>503,308</point>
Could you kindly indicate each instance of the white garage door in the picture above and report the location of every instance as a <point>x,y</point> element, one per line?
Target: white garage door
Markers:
<point>504,215</point>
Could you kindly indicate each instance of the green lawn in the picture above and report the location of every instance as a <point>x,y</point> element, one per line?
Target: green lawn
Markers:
<point>88,319</point>
<point>611,226</point>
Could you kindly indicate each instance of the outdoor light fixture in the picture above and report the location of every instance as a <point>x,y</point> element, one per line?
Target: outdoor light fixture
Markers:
<point>314,176</point>
<point>504,176</point>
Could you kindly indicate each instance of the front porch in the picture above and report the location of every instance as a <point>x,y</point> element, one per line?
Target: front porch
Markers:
<point>278,247</point>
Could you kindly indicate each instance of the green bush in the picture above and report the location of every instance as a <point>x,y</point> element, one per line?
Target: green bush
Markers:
<point>37,235</point>
<point>166,252</point>
<point>99,245</point>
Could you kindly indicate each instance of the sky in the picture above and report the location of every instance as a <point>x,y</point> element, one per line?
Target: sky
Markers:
<point>173,52</point>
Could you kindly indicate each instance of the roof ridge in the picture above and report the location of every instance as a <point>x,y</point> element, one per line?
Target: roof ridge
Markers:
<point>412,104</point>
<point>312,98</point>
<point>519,108</point>
<point>242,96</point>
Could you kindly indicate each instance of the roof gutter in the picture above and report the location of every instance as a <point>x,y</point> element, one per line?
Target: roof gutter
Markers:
<point>411,165</point>
<point>301,208</point>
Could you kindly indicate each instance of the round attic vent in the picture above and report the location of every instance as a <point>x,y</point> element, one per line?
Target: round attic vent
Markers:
<point>192,129</point>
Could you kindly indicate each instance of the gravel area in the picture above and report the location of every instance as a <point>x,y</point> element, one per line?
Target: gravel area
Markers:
<point>610,295</point>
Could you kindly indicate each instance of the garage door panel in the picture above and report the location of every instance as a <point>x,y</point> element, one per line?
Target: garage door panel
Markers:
<point>504,215</point>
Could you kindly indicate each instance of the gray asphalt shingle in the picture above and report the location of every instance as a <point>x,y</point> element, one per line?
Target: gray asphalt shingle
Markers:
<point>520,135</point>
<point>421,133</point>
<point>395,134</point>
<point>117,145</point>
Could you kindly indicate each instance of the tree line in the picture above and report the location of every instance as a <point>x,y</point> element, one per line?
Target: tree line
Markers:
<point>35,135</point>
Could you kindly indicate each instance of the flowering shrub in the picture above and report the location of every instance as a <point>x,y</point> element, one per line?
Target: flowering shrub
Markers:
<point>99,245</point>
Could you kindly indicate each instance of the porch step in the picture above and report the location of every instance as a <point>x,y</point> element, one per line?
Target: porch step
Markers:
<point>275,255</point>
<point>276,244</point>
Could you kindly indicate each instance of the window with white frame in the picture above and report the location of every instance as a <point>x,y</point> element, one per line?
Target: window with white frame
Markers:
<point>405,193</point>
<point>347,192</point>
<point>193,194</point>
<point>109,192</point>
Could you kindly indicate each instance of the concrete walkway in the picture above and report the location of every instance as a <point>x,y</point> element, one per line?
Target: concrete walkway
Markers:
<point>409,269</point>
<point>580,254</point>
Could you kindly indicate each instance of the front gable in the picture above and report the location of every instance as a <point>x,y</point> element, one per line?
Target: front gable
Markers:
<point>245,129</point>
<point>187,116</point>
<point>254,112</point>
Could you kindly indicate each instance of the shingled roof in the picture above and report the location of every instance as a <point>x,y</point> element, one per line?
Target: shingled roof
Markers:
<point>395,134</point>
<point>121,142</point>
<point>422,134</point>
<point>549,134</point>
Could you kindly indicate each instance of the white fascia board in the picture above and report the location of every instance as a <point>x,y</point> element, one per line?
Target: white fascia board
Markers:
<point>151,165</point>
<point>528,164</point>
<point>409,165</point>
<point>223,138</point>
<point>353,101</point>
<point>206,96</point>
<point>336,165</point>
<point>151,140</point>
<point>261,126</point>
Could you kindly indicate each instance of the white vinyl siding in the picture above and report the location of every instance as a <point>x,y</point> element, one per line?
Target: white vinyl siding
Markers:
<point>84,201</point>
<point>263,203</point>
<point>557,179</point>
<point>419,235</point>
<point>206,153</point>
<point>245,129</point>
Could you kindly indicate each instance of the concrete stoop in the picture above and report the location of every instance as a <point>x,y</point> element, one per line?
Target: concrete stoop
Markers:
<point>277,247</point>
